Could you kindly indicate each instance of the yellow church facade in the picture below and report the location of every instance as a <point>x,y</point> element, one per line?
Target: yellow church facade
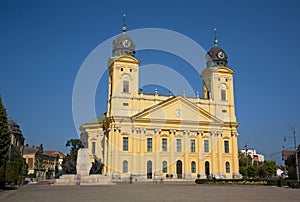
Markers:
<point>146,137</point>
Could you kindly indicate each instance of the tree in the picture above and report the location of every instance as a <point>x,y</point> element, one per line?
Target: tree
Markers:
<point>243,159</point>
<point>262,172</point>
<point>270,167</point>
<point>75,145</point>
<point>40,163</point>
<point>4,134</point>
<point>4,142</point>
<point>69,162</point>
<point>251,171</point>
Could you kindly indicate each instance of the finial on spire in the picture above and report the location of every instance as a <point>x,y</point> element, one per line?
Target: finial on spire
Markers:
<point>124,25</point>
<point>215,39</point>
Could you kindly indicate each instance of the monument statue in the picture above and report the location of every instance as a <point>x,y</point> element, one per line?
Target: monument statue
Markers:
<point>87,173</point>
<point>97,167</point>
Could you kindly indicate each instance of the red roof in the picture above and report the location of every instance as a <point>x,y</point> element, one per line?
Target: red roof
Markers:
<point>55,152</point>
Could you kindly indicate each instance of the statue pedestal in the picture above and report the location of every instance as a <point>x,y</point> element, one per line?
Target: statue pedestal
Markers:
<point>67,179</point>
<point>95,180</point>
<point>83,177</point>
<point>84,164</point>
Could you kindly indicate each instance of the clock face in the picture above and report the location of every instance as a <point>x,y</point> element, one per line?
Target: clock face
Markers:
<point>178,112</point>
<point>126,43</point>
<point>221,55</point>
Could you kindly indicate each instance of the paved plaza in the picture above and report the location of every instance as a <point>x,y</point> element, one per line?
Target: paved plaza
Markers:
<point>152,192</point>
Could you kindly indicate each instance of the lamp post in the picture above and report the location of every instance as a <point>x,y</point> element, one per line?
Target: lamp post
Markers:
<point>246,149</point>
<point>296,155</point>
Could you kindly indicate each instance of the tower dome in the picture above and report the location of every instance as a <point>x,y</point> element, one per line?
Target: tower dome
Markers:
<point>216,56</point>
<point>123,45</point>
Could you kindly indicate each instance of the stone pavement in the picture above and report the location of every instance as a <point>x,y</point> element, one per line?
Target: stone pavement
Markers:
<point>152,192</point>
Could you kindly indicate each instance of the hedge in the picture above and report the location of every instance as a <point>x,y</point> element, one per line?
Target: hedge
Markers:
<point>279,183</point>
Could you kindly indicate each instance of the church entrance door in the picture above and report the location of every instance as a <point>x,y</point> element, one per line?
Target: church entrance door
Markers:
<point>149,169</point>
<point>207,172</point>
<point>179,169</point>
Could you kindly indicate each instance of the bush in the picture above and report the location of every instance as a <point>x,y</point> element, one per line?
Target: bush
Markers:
<point>32,175</point>
<point>293,184</point>
<point>231,181</point>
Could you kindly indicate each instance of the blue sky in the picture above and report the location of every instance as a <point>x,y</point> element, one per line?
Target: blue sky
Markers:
<point>44,43</point>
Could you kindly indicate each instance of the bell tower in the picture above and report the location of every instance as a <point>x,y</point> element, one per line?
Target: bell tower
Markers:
<point>218,84</point>
<point>123,76</point>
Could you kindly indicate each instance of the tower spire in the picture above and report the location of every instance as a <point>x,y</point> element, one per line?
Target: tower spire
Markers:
<point>124,25</point>
<point>215,39</point>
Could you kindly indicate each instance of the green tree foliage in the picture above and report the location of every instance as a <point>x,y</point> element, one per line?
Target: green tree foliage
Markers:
<point>69,162</point>
<point>251,171</point>
<point>12,171</point>
<point>15,166</point>
<point>39,158</point>
<point>270,167</point>
<point>4,134</point>
<point>40,166</point>
<point>243,158</point>
<point>262,172</point>
<point>75,145</point>
<point>243,170</point>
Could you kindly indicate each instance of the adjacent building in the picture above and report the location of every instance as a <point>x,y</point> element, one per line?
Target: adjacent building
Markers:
<point>40,163</point>
<point>256,158</point>
<point>289,157</point>
<point>17,138</point>
<point>60,157</point>
<point>150,136</point>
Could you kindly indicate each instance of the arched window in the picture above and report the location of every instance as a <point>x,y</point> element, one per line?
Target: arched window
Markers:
<point>125,79</point>
<point>193,167</point>
<point>223,88</point>
<point>227,167</point>
<point>164,167</point>
<point>125,166</point>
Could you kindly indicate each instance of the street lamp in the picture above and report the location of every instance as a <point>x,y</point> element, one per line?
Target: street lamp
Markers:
<point>296,155</point>
<point>246,149</point>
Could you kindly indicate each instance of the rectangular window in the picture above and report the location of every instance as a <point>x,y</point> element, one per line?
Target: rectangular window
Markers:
<point>178,145</point>
<point>192,146</point>
<point>206,146</point>
<point>223,95</point>
<point>226,146</point>
<point>30,162</point>
<point>125,86</point>
<point>164,144</point>
<point>125,143</point>
<point>149,144</point>
<point>93,147</point>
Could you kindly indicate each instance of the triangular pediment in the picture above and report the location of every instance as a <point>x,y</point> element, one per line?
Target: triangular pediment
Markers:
<point>177,109</point>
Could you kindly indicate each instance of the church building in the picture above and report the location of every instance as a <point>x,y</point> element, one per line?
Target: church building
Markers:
<point>152,136</point>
